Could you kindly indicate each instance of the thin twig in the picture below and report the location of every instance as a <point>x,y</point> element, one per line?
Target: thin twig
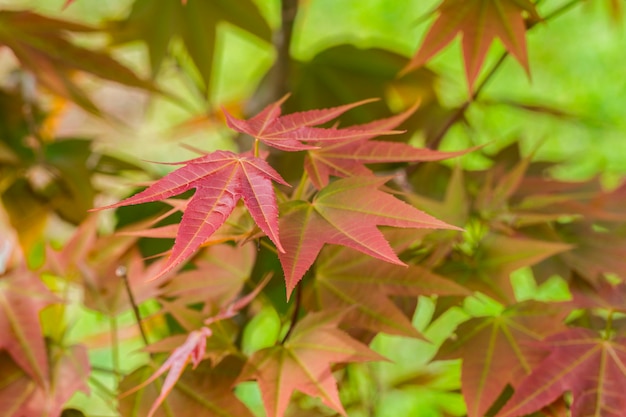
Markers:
<point>122,273</point>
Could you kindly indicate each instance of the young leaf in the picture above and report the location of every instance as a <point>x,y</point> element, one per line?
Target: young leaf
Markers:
<point>499,350</point>
<point>193,349</point>
<point>362,284</point>
<point>206,391</point>
<point>592,368</point>
<point>348,158</point>
<point>288,132</point>
<point>303,363</point>
<point>220,178</point>
<point>479,22</point>
<point>347,212</point>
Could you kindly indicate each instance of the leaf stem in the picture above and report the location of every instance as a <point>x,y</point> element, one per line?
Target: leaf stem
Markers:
<point>295,314</point>
<point>302,185</point>
<point>256,148</point>
<point>608,328</point>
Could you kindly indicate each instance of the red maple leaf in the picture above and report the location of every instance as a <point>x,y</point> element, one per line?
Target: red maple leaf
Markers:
<point>303,363</point>
<point>591,367</point>
<point>221,179</point>
<point>22,297</point>
<point>347,212</point>
<point>348,158</point>
<point>500,350</point>
<point>288,132</point>
<point>20,396</point>
<point>480,22</point>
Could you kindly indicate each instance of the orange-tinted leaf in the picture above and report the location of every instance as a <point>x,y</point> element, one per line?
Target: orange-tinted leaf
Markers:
<point>221,179</point>
<point>303,363</point>
<point>288,132</point>
<point>479,22</point>
<point>592,368</point>
<point>43,45</point>
<point>362,284</point>
<point>499,350</point>
<point>346,212</point>
<point>195,23</point>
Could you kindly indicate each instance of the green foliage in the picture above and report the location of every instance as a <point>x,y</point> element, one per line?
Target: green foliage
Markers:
<point>376,214</point>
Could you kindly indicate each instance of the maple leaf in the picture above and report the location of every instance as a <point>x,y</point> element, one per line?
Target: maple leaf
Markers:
<point>363,73</point>
<point>206,391</point>
<point>195,22</point>
<point>604,295</point>
<point>101,264</point>
<point>193,349</point>
<point>488,270</point>
<point>221,179</point>
<point>345,279</point>
<point>229,267</point>
<point>499,350</point>
<point>303,363</point>
<point>22,297</point>
<point>348,158</point>
<point>43,46</point>
<point>288,132</point>
<point>21,396</point>
<point>592,368</point>
<point>480,22</point>
<point>344,213</point>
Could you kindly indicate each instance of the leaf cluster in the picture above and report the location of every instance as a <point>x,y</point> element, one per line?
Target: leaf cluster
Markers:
<point>267,278</point>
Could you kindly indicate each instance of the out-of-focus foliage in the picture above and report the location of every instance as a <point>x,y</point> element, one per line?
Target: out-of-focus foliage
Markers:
<point>379,212</point>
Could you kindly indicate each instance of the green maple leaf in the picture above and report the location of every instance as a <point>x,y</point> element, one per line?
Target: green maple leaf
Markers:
<point>196,23</point>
